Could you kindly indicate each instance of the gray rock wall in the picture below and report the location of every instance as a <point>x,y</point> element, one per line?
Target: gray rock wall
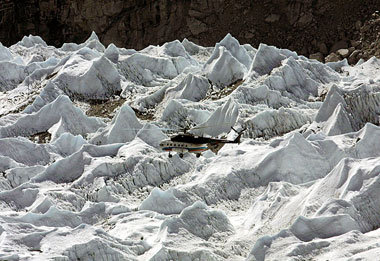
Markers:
<point>305,26</point>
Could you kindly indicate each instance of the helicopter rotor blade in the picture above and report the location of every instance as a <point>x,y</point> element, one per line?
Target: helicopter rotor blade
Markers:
<point>152,129</point>
<point>209,126</point>
<point>183,129</point>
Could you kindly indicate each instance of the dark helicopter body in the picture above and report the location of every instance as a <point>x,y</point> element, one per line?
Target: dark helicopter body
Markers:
<point>187,142</point>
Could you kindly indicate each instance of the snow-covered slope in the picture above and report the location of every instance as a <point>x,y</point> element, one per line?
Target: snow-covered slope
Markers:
<point>82,176</point>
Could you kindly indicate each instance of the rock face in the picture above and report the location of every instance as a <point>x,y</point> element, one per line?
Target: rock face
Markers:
<point>302,26</point>
<point>370,37</point>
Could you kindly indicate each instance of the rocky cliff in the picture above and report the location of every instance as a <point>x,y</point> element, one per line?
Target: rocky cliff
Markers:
<point>307,26</point>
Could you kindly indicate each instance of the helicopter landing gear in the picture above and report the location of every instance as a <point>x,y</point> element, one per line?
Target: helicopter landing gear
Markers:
<point>170,155</point>
<point>181,155</point>
<point>198,155</point>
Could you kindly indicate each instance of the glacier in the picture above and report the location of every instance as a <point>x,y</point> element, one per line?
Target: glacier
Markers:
<point>83,178</point>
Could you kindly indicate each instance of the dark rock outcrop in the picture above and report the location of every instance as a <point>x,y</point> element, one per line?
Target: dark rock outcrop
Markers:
<point>370,36</point>
<point>302,25</point>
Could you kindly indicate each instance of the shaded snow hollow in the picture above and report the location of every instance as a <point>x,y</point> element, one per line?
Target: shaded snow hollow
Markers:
<point>303,184</point>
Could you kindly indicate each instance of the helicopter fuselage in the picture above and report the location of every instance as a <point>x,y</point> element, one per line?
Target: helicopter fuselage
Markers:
<point>183,147</point>
<point>186,142</point>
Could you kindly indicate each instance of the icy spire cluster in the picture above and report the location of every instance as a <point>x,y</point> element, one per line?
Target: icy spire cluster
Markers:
<point>83,176</point>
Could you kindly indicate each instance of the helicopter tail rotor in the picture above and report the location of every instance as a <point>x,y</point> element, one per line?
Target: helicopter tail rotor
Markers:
<point>237,139</point>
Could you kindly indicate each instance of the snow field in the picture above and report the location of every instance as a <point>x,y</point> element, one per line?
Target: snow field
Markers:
<point>303,184</point>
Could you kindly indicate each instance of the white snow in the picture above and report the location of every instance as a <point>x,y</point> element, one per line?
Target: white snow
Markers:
<point>61,111</point>
<point>94,79</point>
<point>123,128</point>
<point>163,202</point>
<point>192,88</point>
<point>5,54</point>
<point>303,184</point>
<point>220,121</point>
<point>223,69</point>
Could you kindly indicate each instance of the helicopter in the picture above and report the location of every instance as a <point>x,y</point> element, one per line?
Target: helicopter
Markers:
<point>187,142</point>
